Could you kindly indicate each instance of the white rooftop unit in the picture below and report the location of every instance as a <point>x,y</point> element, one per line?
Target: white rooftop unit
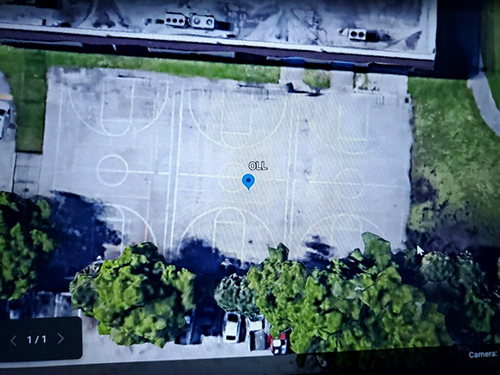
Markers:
<point>357,34</point>
<point>202,22</point>
<point>175,19</point>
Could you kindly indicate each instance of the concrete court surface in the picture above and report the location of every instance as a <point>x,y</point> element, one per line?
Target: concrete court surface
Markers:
<point>167,154</point>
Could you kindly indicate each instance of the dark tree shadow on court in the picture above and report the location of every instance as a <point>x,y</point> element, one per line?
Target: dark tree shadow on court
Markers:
<point>202,259</point>
<point>80,235</point>
<point>320,254</point>
<point>210,266</point>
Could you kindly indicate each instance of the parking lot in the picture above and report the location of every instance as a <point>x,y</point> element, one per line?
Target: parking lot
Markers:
<point>166,156</point>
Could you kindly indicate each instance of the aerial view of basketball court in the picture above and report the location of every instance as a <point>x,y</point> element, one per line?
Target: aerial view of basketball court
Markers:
<point>166,155</point>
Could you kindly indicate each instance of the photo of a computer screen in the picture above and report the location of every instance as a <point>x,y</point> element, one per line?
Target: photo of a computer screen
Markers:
<point>257,187</point>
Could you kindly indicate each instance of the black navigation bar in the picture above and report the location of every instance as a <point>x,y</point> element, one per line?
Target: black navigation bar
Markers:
<point>40,339</point>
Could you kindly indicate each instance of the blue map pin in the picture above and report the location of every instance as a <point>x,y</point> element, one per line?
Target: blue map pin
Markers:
<point>248,180</point>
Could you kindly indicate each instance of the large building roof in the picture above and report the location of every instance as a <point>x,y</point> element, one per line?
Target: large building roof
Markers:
<point>388,28</point>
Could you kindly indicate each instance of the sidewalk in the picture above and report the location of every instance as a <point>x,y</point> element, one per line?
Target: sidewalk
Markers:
<point>27,174</point>
<point>7,144</point>
<point>485,102</point>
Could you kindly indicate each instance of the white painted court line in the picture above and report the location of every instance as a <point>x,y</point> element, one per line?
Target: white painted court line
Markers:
<point>335,218</point>
<point>125,170</point>
<point>167,206</point>
<point>122,196</point>
<point>353,184</point>
<point>246,212</point>
<point>293,125</point>
<point>118,120</point>
<point>129,171</point>
<point>122,220</point>
<point>101,116</point>
<point>131,116</point>
<point>181,108</point>
<point>200,175</point>
<point>148,206</point>
<point>242,224</point>
<point>293,181</point>
<point>146,224</point>
<point>224,123</point>
<point>365,126</point>
<point>222,142</point>
<point>101,119</point>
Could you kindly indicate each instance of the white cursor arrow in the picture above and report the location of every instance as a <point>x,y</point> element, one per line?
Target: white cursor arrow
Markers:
<point>61,340</point>
<point>420,251</point>
<point>12,341</point>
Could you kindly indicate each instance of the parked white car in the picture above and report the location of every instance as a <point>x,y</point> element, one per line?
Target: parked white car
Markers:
<point>231,329</point>
<point>256,324</point>
<point>4,117</point>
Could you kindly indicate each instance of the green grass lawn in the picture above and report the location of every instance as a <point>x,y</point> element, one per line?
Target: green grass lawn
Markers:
<point>491,45</point>
<point>26,71</point>
<point>494,81</point>
<point>317,79</point>
<point>459,155</point>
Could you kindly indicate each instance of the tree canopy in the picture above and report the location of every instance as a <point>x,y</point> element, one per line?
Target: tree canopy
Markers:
<point>458,285</point>
<point>137,298</point>
<point>233,294</point>
<point>361,303</point>
<point>358,302</point>
<point>26,245</point>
